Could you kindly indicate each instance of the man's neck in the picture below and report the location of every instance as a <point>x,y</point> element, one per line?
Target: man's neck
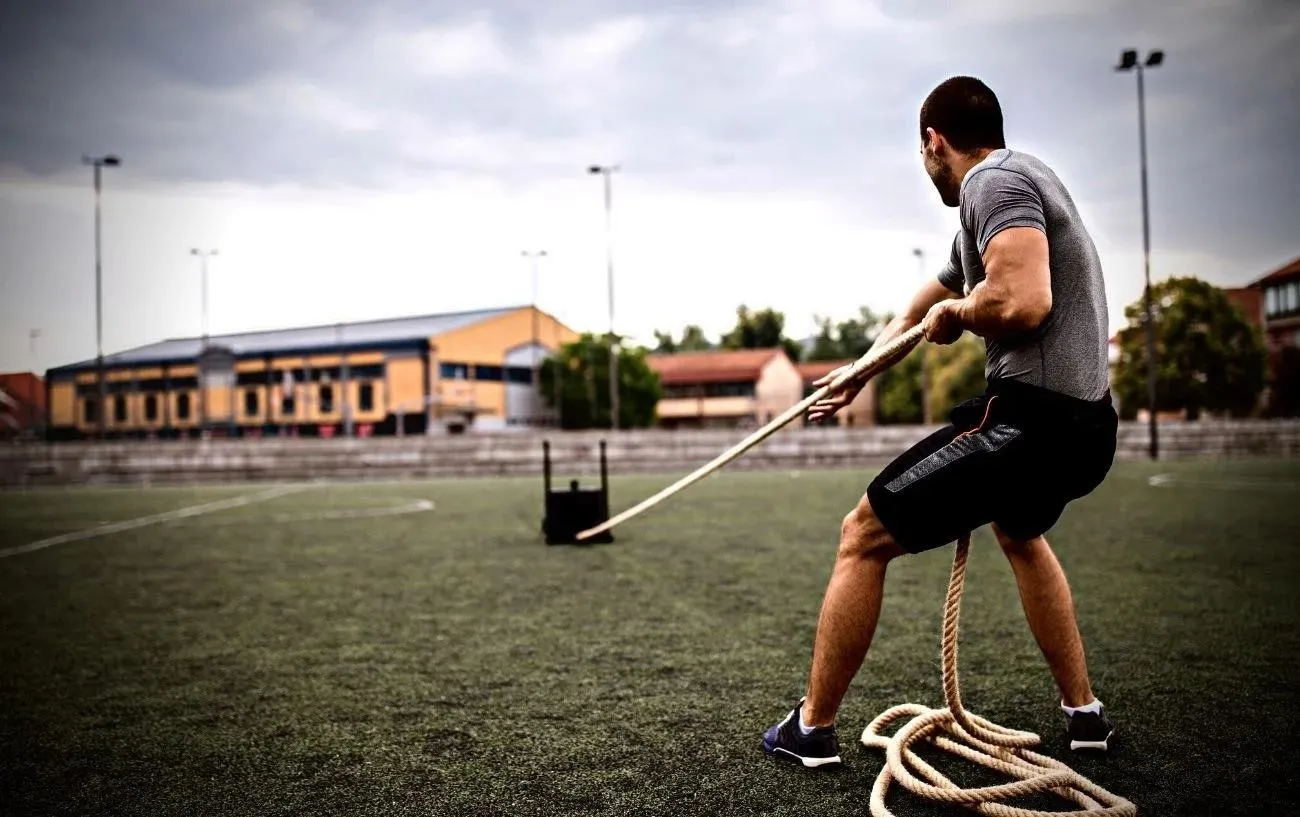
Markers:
<point>965,162</point>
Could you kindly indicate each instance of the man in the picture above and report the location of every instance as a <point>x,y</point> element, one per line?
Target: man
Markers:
<point>1025,276</point>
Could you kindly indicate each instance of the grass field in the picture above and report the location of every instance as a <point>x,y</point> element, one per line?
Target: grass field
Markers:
<point>347,649</point>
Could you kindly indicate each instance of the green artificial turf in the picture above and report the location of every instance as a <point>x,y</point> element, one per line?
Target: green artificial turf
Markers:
<point>259,661</point>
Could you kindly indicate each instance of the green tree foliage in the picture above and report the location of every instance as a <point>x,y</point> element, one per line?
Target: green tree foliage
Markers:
<point>1209,356</point>
<point>898,391</point>
<point>693,340</point>
<point>849,338</point>
<point>955,373</point>
<point>762,329</point>
<point>583,369</point>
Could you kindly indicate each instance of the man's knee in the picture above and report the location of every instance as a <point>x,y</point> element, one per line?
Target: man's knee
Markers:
<point>862,536</point>
<point>1013,545</point>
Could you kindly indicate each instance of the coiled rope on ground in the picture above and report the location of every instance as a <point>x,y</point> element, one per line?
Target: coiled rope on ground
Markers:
<point>995,747</point>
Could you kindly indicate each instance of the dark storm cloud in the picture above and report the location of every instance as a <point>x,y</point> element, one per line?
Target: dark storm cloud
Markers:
<point>812,96</point>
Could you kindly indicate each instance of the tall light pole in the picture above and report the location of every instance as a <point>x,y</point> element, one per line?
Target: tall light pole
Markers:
<point>37,421</point>
<point>925,385</point>
<point>32,335</point>
<point>345,376</point>
<point>99,162</point>
<point>534,256</point>
<point>1129,62</point>
<point>607,171</point>
<point>203,255</point>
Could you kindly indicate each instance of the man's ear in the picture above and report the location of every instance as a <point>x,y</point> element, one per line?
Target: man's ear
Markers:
<point>934,141</point>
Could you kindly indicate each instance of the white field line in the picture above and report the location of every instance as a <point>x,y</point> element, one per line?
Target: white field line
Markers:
<point>154,519</point>
<point>1243,483</point>
<point>415,506</point>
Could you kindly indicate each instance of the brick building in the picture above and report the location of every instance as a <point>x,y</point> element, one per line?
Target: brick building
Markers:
<point>725,388</point>
<point>861,412</point>
<point>1279,294</point>
<point>22,405</point>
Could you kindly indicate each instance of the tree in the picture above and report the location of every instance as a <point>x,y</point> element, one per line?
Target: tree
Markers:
<point>760,330</point>
<point>956,373</point>
<point>693,340</point>
<point>583,370</point>
<point>898,391</point>
<point>849,338</point>
<point>1209,356</point>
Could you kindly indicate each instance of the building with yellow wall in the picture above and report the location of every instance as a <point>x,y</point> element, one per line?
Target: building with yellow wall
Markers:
<point>414,375</point>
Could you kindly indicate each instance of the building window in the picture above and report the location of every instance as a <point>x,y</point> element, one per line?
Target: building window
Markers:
<point>1293,296</point>
<point>287,406</point>
<point>119,409</point>
<point>366,397</point>
<point>150,407</point>
<point>326,399</point>
<point>1270,301</point>
<point>453,371</point>
<point>90,410</point>
<point>729,390</point>
<point>250,403</point>
<point>182,407</point>
<point>491,374</point>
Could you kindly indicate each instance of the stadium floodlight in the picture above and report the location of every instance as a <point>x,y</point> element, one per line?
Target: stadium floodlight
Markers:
<point>607,171</point>
<point>1129,62</point>
<point>98,163</point>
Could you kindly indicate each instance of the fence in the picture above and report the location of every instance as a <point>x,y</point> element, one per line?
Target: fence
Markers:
<point>519,454</point>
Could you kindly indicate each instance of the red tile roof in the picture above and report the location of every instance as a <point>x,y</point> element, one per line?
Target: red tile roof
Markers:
<point>726,366</point>
<point>819,368</point>
<point>1285,273</point>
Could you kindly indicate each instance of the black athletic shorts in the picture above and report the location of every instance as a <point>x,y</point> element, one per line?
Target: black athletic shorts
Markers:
<point>1015,456</point>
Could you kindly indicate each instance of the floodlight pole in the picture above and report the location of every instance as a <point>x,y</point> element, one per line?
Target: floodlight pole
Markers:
<point>1130,62</point>
<point>536,364</point>
<point>98,162</point>
<point>203,255</point>
<point>925,386</point>
<point>607,171</point>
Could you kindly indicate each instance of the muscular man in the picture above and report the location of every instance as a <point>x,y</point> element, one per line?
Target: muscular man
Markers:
<point>1024,275</point>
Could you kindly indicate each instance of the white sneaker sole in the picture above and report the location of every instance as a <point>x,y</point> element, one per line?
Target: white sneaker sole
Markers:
<point>808,762</point>
<point>1094,745</point>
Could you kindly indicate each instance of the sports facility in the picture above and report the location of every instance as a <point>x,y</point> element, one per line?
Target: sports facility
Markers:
<point>415,647</point>
<point>943,404</point>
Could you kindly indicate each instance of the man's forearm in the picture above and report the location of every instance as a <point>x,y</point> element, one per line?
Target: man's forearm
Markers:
<point>892,330</point>
<point>991,313</point>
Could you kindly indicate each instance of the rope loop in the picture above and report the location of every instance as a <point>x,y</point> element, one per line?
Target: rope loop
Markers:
<point>980,741</point>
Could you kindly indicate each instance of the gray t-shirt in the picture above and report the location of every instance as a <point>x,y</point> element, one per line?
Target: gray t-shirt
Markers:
<point>1067,353</point>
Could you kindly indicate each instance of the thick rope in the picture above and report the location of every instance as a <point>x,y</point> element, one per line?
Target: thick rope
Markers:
<point>968,735</point>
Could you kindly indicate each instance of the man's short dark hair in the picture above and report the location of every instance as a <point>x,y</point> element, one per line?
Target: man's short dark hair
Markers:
<point>966,112</point>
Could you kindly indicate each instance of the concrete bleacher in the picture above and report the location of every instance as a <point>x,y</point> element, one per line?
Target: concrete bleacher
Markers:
<point>520,453</point>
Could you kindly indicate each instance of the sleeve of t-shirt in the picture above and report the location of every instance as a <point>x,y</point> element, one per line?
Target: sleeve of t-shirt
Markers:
<point>994,199</point>
<point>951,276</point>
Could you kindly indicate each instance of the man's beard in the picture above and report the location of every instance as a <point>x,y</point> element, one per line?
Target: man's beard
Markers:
<point>945,181</point>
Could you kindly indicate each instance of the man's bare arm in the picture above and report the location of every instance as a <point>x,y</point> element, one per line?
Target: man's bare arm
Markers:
<point>930,293</point>
<point>1016,293</point>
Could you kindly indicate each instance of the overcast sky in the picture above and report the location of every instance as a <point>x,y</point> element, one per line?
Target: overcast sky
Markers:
<point>360,160</point>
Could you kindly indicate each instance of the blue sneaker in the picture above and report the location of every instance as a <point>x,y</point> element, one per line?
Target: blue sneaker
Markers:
<point>818,749</point>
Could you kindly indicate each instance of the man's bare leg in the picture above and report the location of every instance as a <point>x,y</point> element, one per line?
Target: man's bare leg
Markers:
<point>1049,608</point>
<point>850,611</point>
